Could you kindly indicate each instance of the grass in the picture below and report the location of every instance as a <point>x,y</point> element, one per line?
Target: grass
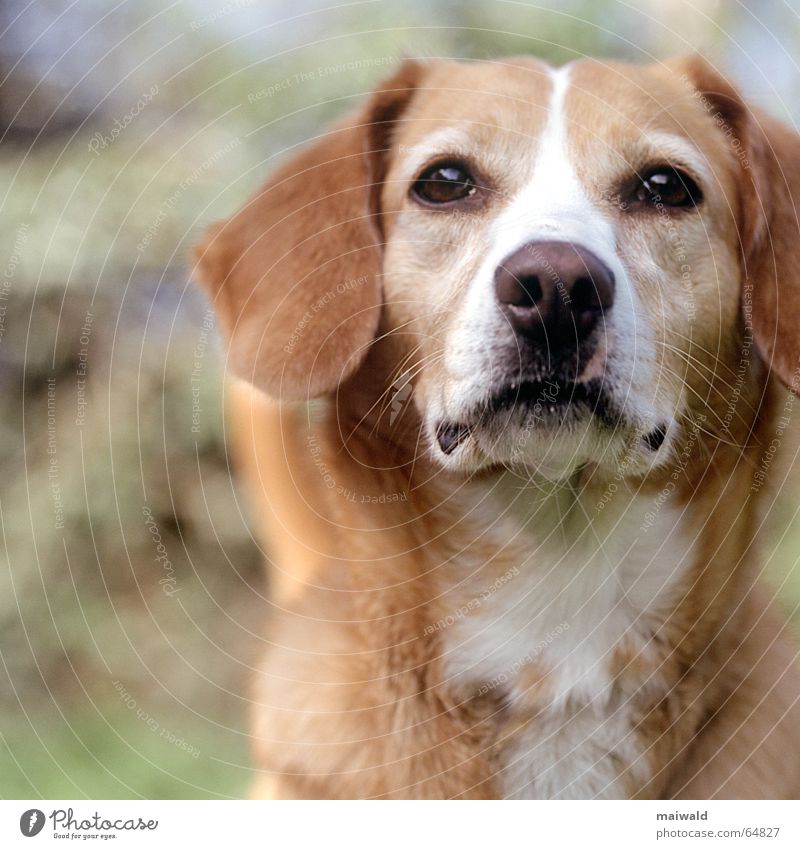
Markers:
<point>113,754</point>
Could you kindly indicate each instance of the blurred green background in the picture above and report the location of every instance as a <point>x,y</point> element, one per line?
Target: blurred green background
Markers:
<point>131,591</point>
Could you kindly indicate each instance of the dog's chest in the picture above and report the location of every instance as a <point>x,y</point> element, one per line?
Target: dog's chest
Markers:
<point>545,629</point>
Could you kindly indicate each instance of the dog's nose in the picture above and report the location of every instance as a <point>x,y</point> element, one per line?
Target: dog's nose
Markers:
<point>554,293</point>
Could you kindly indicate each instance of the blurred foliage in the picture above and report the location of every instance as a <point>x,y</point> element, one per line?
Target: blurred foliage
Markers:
<point>97,223</point>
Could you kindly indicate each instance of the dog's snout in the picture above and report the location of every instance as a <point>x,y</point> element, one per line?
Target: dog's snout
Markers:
<point>554,293</point>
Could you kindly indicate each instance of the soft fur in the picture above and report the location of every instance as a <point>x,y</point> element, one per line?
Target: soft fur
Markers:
<point>545,612</point>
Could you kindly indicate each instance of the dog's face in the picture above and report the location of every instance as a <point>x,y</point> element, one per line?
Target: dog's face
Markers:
<point>555,261</point>
<point>552,240</point>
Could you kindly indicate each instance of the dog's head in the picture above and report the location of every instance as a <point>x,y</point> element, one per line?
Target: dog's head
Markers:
<point>565,267</point>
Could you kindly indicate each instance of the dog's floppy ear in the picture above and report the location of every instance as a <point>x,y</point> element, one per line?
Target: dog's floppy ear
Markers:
<point>295,274</point>
<point>768,162</point>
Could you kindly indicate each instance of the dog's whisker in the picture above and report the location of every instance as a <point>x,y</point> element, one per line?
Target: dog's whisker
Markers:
<point>715,381</point>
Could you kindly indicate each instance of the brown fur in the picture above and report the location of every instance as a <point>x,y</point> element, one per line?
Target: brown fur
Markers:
<point>354,698</point>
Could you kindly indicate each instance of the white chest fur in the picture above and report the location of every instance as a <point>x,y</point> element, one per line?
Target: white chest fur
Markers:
<point>582,580</point>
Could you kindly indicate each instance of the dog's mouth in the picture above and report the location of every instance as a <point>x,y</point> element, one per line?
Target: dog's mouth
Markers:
<point>532,403</point>
<point>551,400</point>
<point>541,406</point>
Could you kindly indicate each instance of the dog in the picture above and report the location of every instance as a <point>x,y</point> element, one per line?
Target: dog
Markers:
<point>513,348</point>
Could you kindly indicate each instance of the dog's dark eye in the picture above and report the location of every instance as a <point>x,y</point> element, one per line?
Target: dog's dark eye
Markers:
<point>669,187</point>
<point>444,183</point>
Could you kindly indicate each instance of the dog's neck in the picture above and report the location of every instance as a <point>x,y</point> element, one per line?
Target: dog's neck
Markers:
<point>506,575</point>
<point>603,506</point>
<point>588,497</point>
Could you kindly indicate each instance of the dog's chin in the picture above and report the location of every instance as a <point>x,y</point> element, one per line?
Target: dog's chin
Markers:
<point>551,446</point>
<point>545,429</point>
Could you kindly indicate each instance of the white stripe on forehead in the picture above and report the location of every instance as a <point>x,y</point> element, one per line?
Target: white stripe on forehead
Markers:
<point>554,204</point>
<point>555,132</point>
